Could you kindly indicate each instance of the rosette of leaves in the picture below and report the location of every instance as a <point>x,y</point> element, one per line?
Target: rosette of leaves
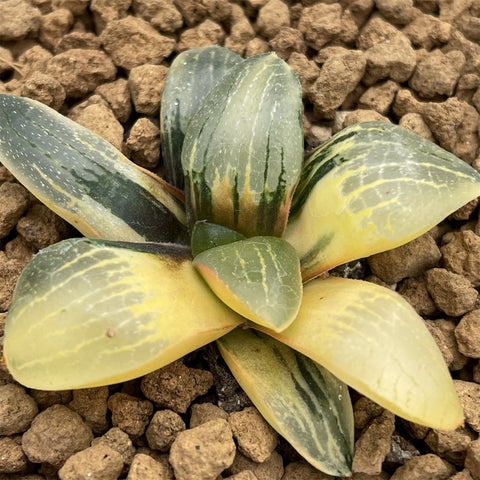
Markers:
<point>159,274</point>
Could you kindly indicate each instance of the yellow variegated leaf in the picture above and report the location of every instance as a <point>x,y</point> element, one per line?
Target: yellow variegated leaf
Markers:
<point>373,340</point>
<point>84,179</point>
<point>300,399</point>
<point>373,187</point>
<point>258,277</point>
<point>90,312</point>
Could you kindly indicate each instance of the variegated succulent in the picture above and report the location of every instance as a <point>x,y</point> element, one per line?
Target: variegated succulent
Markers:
<point>237,258</point>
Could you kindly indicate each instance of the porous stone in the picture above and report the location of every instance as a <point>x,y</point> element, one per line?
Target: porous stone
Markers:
<point>376,30</point>
<point>424,467</point>
<point>301,470</point>
<point>18,20</point>
<point>437,73</point>
<point>358,116</point>
<point>379,97</point>
<point>54,26</point>
<point>10,270</point>
<point>415,123</point>
<point>427,31</point>
<point>96,115</point>
<point>471,50</point>
<point>461,255</point>
<point>81,71</point>
<point>394,59</point>
<point>287,41</point>
<point>364,411</point>
<point>175,386</point>
<point>117,95</point>
<point>270,469</point>
<point>203,452</point>
<point>129,413</point>
<point>414,290</point>
<point>469,394</point>
<point>408,260</point>
<point>399,12</point>
<point>47,398</point>
<point>452,293</point>
<point>206,33</point>
<point>443,332</point>
<point>146,83</point>
<point>83,40</point>
<point>241,31</point>
<point>143,143</point>
<point>244,475</point>
<point>272,17</point>
<point>146,467</point>
<point>472,459</point>
<point>91,405</point>
<point>467,334</point>
<point>117,440</point>
<point>163,428</point>
<point>162,14</point>
<point>55,435</point>
<point>320,24</point>
<point>44,88</point>
<point>105,11</point>
<point>306,70</point>
<point>17,409</point>
<point>34,60</point>
<point>15,201</point>
<point>374,443</point>
<point>465,211</point>
<point>12,458</point>
<point>98,462</point>
<point>77,7</point>
<point>254,436</point>
<point>193,11</point>
<point>452,444</point>
<point>204,412</point>
<point>149,45</point>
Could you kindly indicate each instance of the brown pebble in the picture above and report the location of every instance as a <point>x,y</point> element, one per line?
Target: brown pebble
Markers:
<point>272,17</point>
<point>472,459</point>
<point>91,405</point>
<point>119,441</point>
<point>162,14</point>
<point>320,24</point>
<point>414,291</point>
<point>301,470</point>
<point>469,394</point>
<point>129,413</point>
<point>203,452</point>
<point>451,445</point>
<point>44,88</point>
<point>15,201</point>
<point>207,33</point>
<point>117,95</point>
<point>18,19</point>
<point>270,469</point>
<point>54,26</point>
<point>12,458</point>
<point>55,435</point>
<point>254,436</point>
<point>17,409</point>
<point>408,260</point>
<point>163,428</point>
<point>149,45</point>
<point>467,334</point>
<point>424,467</point>
<point>204,412</point>
<point>452,293</point>
<point>97,462</point>
<point>146,467</point>
<point>176,386</point>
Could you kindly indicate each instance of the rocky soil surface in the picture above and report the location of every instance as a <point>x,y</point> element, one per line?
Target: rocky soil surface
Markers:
<point>103,63</point>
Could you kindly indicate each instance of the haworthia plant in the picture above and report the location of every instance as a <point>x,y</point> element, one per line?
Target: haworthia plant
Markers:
<point>89,312</point>
<point>243,148</point>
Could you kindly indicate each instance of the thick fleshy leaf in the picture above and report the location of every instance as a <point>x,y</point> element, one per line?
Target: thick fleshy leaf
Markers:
<point>258,277</point>
<point>206,235</point>
<point>372,339</point>
<point>190,77</point>
<point>300,399</point>
<point>91,312</point>
<point>83,178</point>
<point>373,187</point>
<point>243,149</point>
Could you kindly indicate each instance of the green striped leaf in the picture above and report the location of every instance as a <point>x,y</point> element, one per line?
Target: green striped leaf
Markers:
<point>92,312</point>
<point>191,76</point>
<point>83,178</point>
<point>258,277</point>
<point>373,187</point>
<point>243,149</point>
<point>206,235</point>
<point>301,400</point>
<point>371,338</point>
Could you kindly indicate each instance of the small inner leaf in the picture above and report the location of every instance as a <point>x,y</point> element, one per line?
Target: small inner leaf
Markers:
<point>258,277</point>
<point>90,312</point>
<point>373,187</point>
<point>300,399</point>
<point>206,235</point>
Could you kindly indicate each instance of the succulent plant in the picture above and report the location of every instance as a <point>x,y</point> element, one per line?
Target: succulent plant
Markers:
<point>241,257</point>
